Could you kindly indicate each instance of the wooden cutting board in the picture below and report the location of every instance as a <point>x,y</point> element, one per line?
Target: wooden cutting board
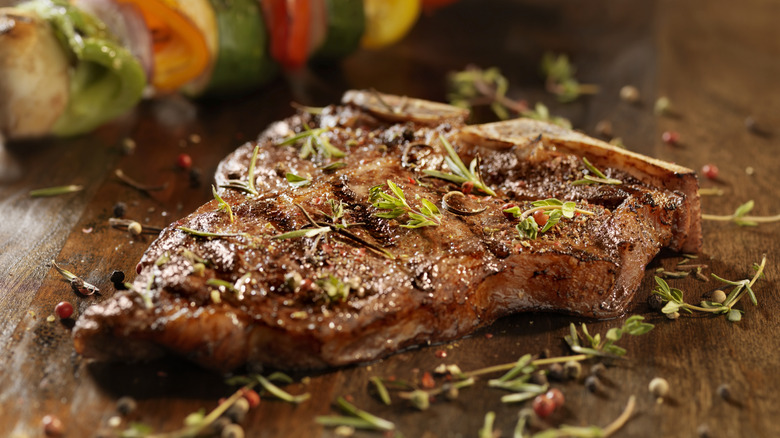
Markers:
<point>719,63</point>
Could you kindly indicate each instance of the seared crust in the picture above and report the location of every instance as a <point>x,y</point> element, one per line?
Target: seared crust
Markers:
<point>337,298</point>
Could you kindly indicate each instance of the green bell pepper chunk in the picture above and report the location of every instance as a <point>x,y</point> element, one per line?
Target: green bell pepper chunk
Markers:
<point>346,24</point>
<point>243,61</point>
<point>106,80</point>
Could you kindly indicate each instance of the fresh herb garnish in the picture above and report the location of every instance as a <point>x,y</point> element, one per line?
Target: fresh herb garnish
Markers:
<point>355,417</point>
<point>673,297</point>
<point>740,216</point>
<point>475,87</point>
<point>529,229</point>
<point>541,113</point>
<point>313,141</point>
<point>247,186</point>
<point>222,205</point>
<point>461,174</point>
<point>560,80</point>
<point>427,216</point>
<point>334,166</point>
<point>296,180</point>
<point>55,191</point>
<point>598,346</point>
<point>335,289</point>
<point>303,232</point>
<point>599,177</point>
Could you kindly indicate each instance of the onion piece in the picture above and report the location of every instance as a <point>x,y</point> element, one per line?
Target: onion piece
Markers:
<point>446,205</point>
<point>127,25</point>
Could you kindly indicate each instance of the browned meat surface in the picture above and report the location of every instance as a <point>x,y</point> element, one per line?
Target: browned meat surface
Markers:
<point>360,286</point>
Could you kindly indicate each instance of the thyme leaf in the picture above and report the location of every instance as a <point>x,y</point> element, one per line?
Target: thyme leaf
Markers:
<point>209,234</point>
<point>428,215</point>
<point>461,173</point>
<point>247,186</point>
<point>304,232</point>
<point>296,180</point>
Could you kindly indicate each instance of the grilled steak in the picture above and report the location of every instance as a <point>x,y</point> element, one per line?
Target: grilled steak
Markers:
<point>307,269</point>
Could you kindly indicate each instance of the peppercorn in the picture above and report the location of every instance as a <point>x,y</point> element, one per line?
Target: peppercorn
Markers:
<point>710,171</point>
<point>556,372</point>
<point>134,228</point>
<point>126,405</point>
<point>593,384</point>
<point>655,302</point>
<point>670,137</point>
<point>658,387</point>
<point>195,177</point>
<point>718,296</point>
<point>539,378</point>
<point>724,391</point>
<point>184,161</point>
<point>120,208</point>
<point>573,369</point>
<point>52,426</point>
<point>604,128</point>
<point>238,410</point>
<point>232,431</point>
<point>543,406</point>
<point>118,278</point>
<point>64,310</point>
<point>629,93</point>
<point>598,369</point>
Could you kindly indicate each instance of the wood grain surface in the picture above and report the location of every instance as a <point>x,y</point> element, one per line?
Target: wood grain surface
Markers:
<point>717,61</point>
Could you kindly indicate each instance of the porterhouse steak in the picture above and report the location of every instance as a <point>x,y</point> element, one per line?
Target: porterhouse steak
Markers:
<point>303,271</point>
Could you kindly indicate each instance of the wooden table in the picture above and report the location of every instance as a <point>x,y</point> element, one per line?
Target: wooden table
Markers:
<point>717,61</point>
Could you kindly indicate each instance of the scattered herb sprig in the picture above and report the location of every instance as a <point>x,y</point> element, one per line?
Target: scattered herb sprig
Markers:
<point>596,345</point>
<point>208,234</point>
<point>137,185</point>
<point>313,141</point>
<point>675,302</point>
<point>599,177</point>
<point>741,218</point>
<point>355,417</point>
<point>428,215</point>
<point>529,229</point>
<point>78,284</point>
<point>576,431</point>
<point>297,180</point>
<point>55,191</point>
<point>461,174</point>
<point>476,87</point>
<point>560,80</point>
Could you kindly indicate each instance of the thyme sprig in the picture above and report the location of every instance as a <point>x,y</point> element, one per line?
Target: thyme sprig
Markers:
<point>576,431</point>
<point>675,301</point>
<point>55,191</point>
<point>428,215</point>
<point>322,228</point>
<point>76,282</point>
<point>269,387</point>
<point>596,345</point>
<point>195,423</point>
<point>476,87</point>
<point>222,205</point>
<point>355,417</point>
<point>560,80</point>
<point>137,185</point>
<point>599,177</point>
<point>528,227</point>
<point>741,218</point>
<point>313,141</point>
<point>461,174</point>
<point>247,186</point>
